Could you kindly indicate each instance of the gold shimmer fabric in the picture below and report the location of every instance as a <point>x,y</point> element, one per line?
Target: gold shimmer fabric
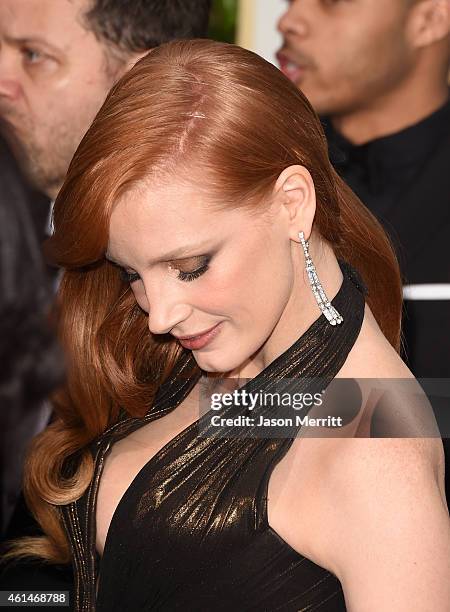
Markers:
<point>191,532</point>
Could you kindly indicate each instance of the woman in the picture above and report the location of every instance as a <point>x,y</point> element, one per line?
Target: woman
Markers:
<point>202,230</point>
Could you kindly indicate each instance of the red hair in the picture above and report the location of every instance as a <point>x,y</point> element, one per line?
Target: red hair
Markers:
<point>200,104</point>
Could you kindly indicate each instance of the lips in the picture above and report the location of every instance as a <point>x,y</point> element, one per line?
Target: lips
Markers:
<point>200,341</point>
<point>293,70</point>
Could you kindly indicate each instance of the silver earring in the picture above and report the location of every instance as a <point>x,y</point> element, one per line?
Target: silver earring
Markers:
<point>323,302</point>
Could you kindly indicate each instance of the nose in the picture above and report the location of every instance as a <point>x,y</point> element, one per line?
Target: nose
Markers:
<point>294,20</point>
<point>167,310</point>
<point>10,87</point>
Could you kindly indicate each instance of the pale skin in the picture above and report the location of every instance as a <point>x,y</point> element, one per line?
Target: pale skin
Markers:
<point>385,69</point>
<point>383,530</point>
<point>54,76</point>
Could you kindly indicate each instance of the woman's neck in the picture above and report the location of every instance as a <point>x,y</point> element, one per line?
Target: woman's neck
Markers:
<point>300,311</point>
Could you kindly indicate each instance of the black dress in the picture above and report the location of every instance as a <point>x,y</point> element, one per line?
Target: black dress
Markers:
<point>191,532</point>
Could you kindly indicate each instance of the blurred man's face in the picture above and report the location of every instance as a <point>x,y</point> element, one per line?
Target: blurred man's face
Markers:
<point>53,80</point>
<point>343,54</point>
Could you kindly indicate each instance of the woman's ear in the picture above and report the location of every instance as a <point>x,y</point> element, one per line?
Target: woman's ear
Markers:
<point>295,191</point>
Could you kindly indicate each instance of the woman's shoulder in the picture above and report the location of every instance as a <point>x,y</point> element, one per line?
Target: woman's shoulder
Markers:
<point>383,518</point>
<point>372,356</point>
<point>367,506</point>
<point>396,426</point>
<point>379,517</point>
<point>369,484</point>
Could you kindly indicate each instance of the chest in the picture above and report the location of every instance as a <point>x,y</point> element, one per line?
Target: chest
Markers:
<point>129,455</point>
<point>291,488</point>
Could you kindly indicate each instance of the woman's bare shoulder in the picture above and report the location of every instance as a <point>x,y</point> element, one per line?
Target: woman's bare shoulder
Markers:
<point>387,523</point>
<point>372,356</point>
<point>368,486</point>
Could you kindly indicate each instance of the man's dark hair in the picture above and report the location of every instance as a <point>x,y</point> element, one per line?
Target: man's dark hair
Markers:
<point>137,25</point>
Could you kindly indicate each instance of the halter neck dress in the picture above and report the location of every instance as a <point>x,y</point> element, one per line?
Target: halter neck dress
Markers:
<point>191,531</point>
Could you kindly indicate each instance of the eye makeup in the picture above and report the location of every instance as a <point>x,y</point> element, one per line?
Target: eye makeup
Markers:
<point>184,275</point>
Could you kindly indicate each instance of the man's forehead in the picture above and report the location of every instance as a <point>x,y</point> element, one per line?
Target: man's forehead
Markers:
<point>52,21</point>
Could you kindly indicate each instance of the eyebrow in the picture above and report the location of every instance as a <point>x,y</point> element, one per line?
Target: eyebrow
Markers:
<point>32,40</point>
<point>180,253</point>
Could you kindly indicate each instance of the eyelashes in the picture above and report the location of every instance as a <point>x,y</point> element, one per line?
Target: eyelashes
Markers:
<point>190,276</point>
<point>132,277</point>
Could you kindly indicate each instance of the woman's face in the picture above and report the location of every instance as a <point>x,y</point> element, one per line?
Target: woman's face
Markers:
<point>232,271</point>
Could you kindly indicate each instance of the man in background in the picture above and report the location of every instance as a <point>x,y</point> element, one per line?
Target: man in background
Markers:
<point>59,59</point>
<point>376,71</point>
<point>32,364</point>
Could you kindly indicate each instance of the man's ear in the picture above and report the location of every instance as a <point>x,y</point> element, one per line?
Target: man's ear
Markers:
<point>133,58</point>
<point>429,22</point>
<point>294,190</point>
<point>118,62</point>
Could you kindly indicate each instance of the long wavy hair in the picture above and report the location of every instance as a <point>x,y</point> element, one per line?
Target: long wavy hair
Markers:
<point>205,105</point>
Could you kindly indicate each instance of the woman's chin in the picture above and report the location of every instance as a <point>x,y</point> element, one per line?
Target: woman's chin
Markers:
<point>213,367</point>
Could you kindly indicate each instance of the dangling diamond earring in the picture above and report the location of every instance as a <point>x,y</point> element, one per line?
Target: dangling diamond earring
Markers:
<point>323,302</point>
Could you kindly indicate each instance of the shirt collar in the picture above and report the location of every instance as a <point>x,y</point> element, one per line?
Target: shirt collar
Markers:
<point>394,151</point>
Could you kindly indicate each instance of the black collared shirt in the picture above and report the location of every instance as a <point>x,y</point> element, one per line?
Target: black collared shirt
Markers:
<point>404,180</point>
<point>380,171</point>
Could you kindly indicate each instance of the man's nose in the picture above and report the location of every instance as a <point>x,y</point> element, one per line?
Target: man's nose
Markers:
<point>10,86</point>
<point>294,20</point>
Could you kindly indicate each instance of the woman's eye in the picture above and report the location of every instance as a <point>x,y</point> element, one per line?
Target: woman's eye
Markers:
<point>200,265</point>
<point>184,275</point>
<point>190,276</point>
